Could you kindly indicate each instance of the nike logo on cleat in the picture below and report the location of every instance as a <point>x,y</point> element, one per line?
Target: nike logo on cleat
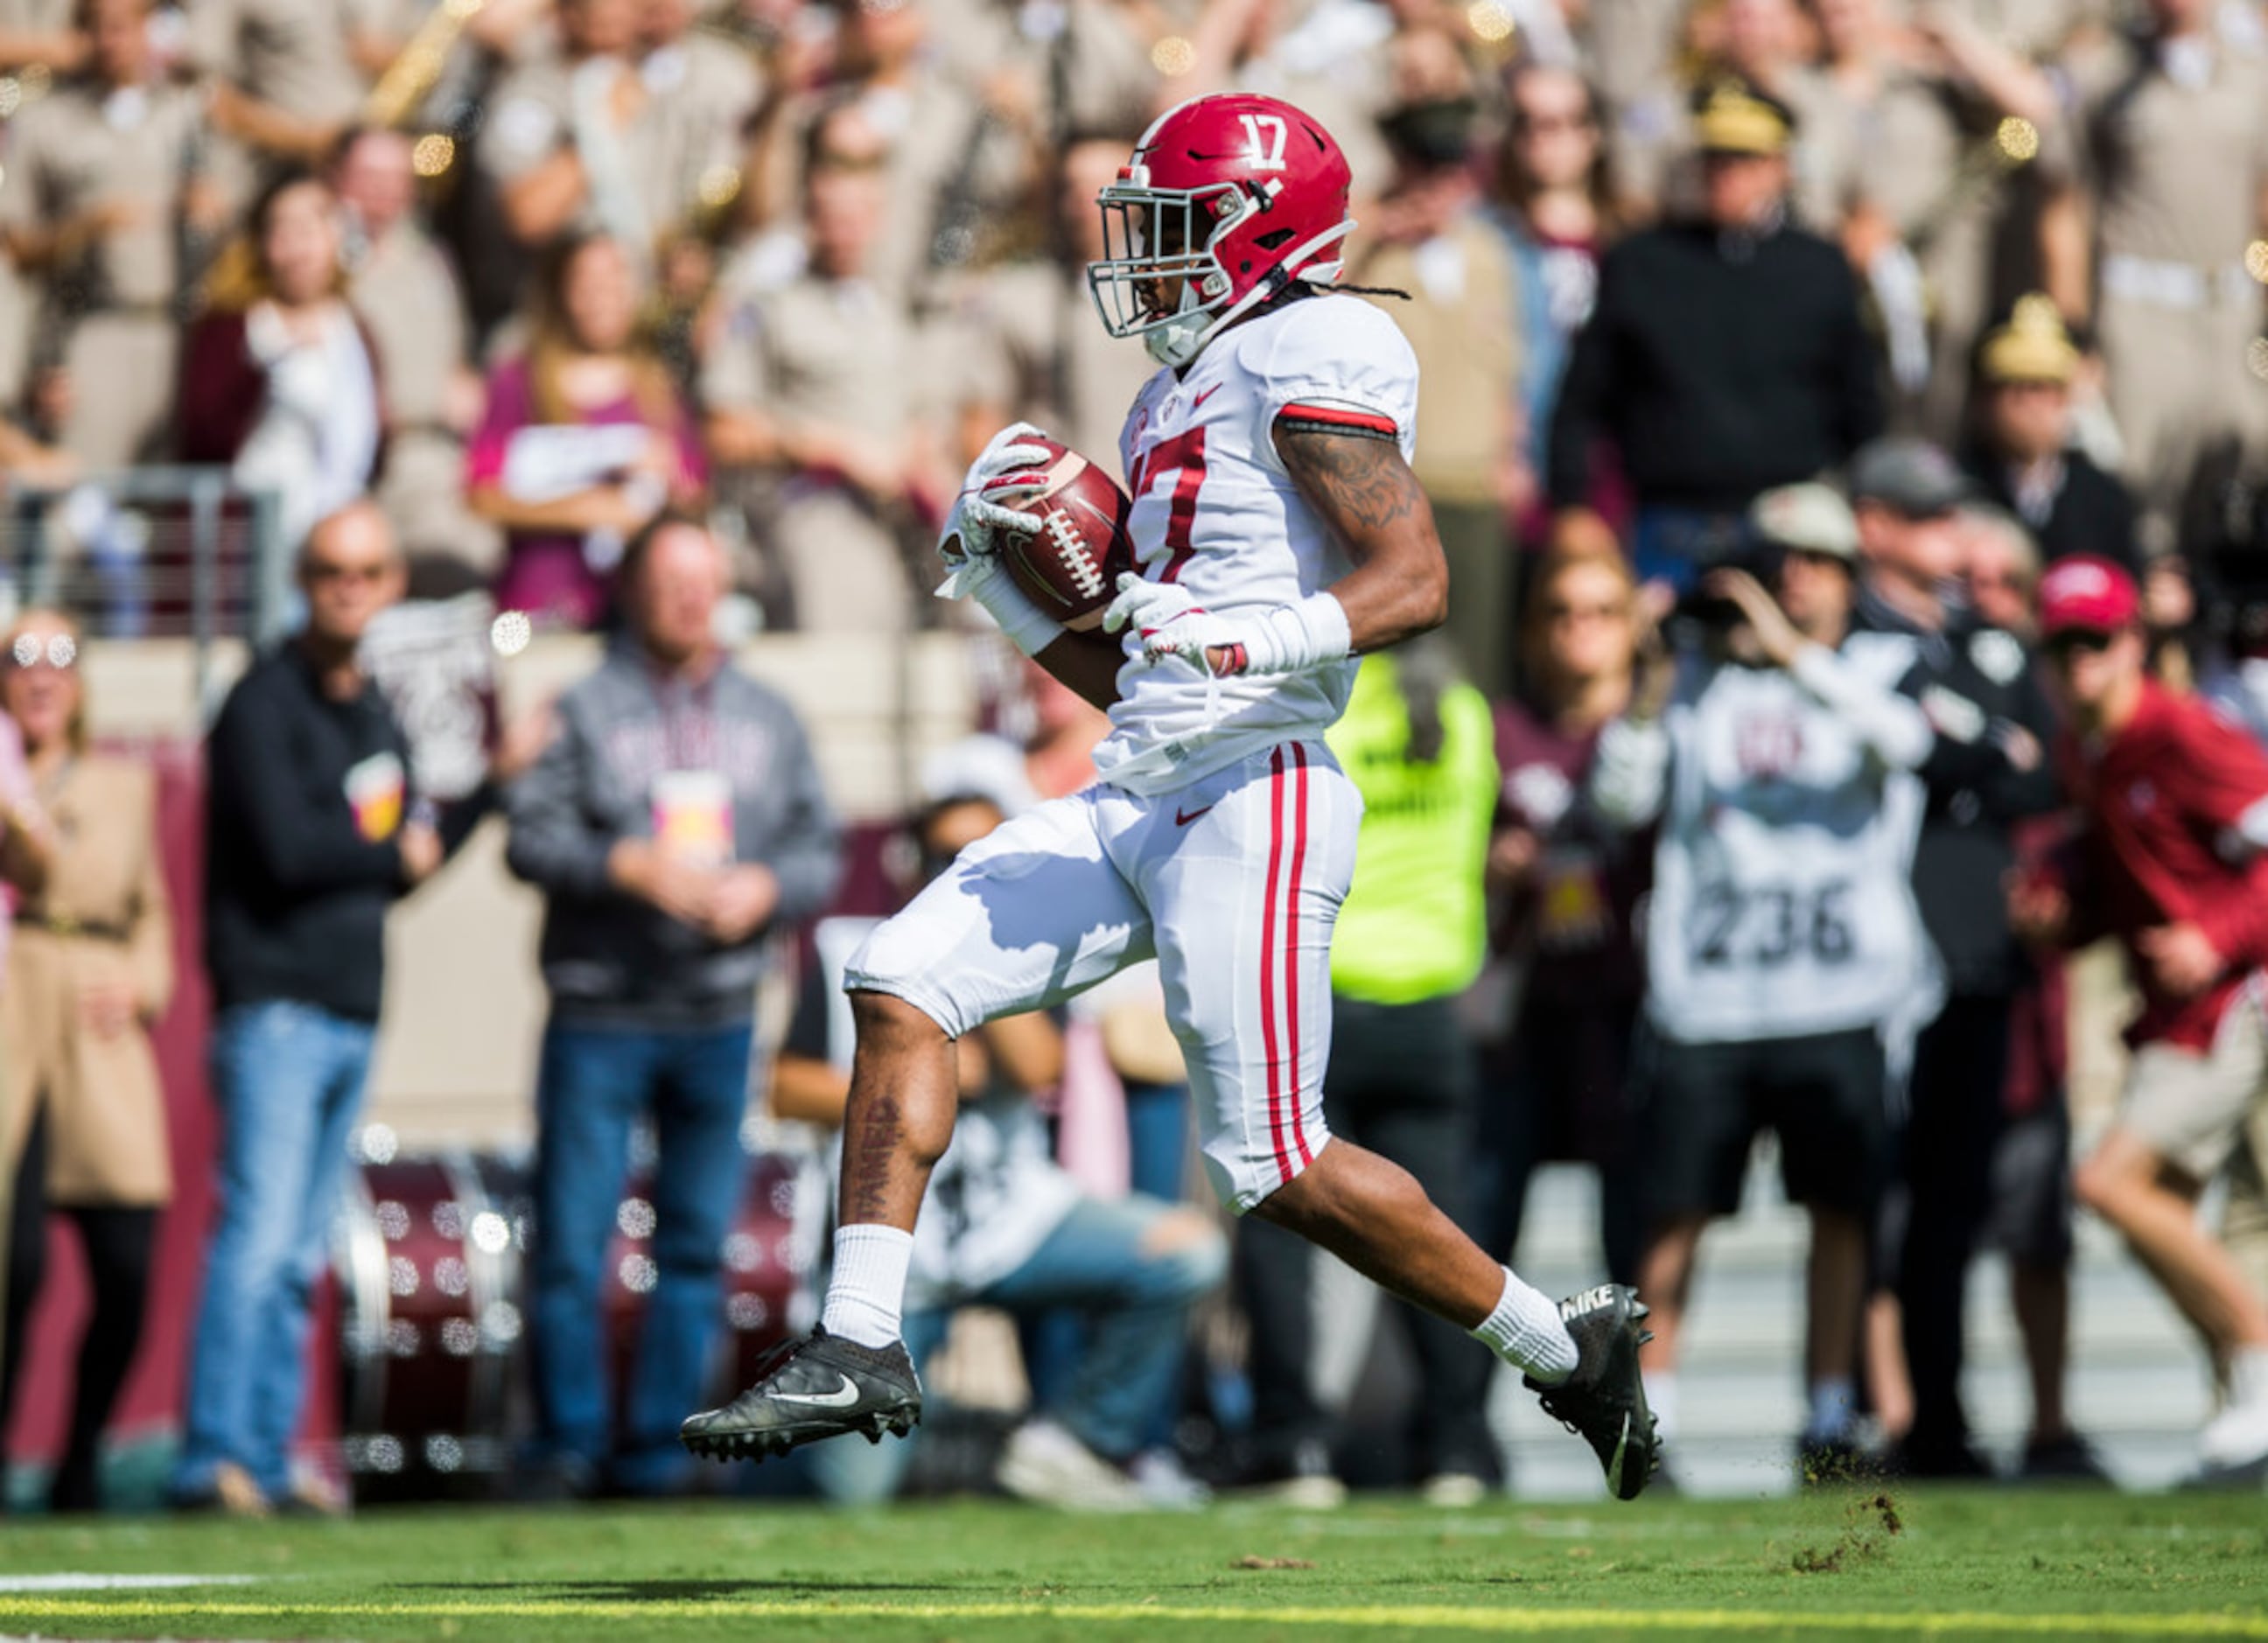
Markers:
<point>1575,1305</point>
<point>842,1396</point>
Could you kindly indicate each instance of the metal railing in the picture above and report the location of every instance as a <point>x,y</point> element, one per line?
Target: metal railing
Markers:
<point>157,552</point>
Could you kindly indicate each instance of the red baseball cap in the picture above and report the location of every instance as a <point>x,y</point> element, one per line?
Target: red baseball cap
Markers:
<point>2086,594</point>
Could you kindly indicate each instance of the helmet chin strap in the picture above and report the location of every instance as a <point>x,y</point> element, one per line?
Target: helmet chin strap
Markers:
<point>1183,337</point>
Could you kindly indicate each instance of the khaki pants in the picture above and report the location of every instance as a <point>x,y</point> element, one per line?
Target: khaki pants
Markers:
<point>2179,386</point>
<point>1484,582</point>
<point>122,369</point>
<point>421,489</point>
<point>2193,1109</point>
<point>847,570</point>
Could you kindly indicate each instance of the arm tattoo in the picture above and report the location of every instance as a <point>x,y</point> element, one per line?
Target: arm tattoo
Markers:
<point>1359,483</point>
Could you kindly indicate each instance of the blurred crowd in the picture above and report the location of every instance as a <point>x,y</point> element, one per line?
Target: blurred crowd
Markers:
<point>1845,422</point>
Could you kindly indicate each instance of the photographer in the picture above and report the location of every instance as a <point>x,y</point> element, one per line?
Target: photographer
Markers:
<point>1779,761</point>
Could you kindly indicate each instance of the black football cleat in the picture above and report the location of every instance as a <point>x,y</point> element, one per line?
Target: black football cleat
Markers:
<point>1604,1402</point>
<point>819,1386</point>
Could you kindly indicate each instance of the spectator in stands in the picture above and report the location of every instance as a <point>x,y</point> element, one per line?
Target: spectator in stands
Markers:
<point>584,439</point>
<point>818,389</point>
<point>2000,574</point>
<point>2161,173</point>
<point>674,824</point>
<point>1923,176</point>
<point>2175,806</point>
<point>1555,209</point>
<point>1782,937</point>
<point>1427,236</point>
<point>280,382</point>
<point>1036,353</point>
<point>707,86</point>
<point>406,291</point>
<point>1567,887</point>
<point>312,833</point>
<point>960,153</point>
<point>98,194</point>
<point>2024,457</point>
<point>1415,739</point>
<point>1989,774</point>
<point>1726,355</point>
<point>573,140</point>
<point>281,78</point>
<point>91,966</point>
<point>1003,1226</point>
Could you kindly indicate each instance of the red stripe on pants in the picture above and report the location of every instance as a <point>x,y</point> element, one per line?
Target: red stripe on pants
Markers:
<point>1268,1041</point>
<point>1292,945</point>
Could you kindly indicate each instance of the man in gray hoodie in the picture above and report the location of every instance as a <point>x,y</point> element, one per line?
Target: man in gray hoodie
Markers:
<point>675,820</point>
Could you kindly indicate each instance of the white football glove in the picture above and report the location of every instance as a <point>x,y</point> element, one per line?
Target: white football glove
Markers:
<point>1005,471</point>
<point>1002,473</point>
<point>1288,639</point>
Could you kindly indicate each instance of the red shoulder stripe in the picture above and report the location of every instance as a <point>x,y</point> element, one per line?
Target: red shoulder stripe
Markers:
<point>1340,417</point>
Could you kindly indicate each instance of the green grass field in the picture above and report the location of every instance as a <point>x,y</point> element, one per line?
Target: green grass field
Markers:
<point>1940,1563</point>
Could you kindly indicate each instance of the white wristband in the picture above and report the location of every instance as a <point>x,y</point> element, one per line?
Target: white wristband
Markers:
<point>986,580</point>
<point>1293,638</point>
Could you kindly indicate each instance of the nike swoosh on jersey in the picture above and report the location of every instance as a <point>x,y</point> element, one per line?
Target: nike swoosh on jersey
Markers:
<point>1183,818</point>
<point>842,1396</point>
<point>1198,399</point>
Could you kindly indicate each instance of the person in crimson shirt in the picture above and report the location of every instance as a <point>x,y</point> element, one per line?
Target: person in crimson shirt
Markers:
<point>1564,889</point>
<point>2174,807</point>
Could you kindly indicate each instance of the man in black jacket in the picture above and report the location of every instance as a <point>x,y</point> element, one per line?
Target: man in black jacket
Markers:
<point>1725,356</point>
<point>310,834</point>
<point>2024,459</point>
<point>1976,685</point>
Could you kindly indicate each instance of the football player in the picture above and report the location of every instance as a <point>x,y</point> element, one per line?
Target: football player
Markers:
<point>1278,533</point>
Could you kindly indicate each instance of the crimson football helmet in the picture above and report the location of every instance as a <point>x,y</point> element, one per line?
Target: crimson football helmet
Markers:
<point>1233,196</point>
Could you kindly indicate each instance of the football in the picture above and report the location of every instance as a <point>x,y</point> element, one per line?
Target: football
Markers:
<point>1070,567</point>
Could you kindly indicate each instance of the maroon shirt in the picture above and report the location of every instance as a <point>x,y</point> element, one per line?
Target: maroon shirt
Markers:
<point>1574,921</point>
<point>2157,799</point>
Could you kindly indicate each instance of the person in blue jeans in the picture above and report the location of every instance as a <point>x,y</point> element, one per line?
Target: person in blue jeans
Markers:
<point>310,838</point>
<point>675,821</point>
<point>1003,1226</point>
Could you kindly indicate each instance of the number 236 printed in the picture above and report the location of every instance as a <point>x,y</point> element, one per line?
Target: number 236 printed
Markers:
<point>1771,926</point>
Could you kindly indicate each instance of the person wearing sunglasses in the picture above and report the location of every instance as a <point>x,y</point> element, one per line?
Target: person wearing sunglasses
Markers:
<point>2172,858</point>
<point>312,833</point>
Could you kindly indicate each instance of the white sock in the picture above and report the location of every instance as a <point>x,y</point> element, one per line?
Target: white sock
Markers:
<point>2248,1375</point>
<point>1832,1405</point>
<point>1526,1332</point>
<point>866,1291</point>
<point>1661,1401</point>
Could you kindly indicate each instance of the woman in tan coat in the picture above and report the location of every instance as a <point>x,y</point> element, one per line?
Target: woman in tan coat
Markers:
<point>90,967</point>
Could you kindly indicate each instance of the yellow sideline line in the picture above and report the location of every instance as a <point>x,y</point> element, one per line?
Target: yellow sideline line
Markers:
<point>1441,1617</point>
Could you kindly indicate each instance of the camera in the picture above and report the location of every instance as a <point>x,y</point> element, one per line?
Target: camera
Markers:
<point>1702,614</point>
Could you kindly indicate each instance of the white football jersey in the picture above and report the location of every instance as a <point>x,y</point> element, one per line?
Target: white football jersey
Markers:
<point>1783,901</point>
<point>1215,512</point>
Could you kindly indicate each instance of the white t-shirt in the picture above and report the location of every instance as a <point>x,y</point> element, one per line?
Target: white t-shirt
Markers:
<point>1215,512</point>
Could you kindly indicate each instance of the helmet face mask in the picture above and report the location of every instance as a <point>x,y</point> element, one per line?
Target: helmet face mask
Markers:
<point>1225,201</point>
<point>1159,268</point>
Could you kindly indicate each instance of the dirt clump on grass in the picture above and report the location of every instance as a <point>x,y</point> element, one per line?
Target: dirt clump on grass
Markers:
<point>1870,1523</point>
